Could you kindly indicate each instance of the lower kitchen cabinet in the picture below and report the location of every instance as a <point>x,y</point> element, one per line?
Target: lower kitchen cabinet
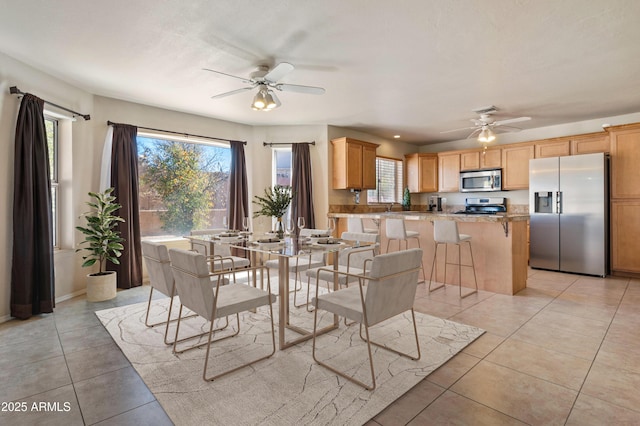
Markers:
<point>625,233</point>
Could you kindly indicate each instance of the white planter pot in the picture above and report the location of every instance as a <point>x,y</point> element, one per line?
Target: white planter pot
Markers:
<point>102,287</point>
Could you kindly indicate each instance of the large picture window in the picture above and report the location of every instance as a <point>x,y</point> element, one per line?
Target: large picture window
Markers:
<point>183,185</point>
<point>389,181</point>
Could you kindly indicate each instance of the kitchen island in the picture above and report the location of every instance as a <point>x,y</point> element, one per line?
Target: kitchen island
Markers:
<point>499,243</point>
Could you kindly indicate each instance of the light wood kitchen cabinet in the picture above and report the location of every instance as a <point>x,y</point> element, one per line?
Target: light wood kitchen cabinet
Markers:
<point>590,144</point>
<point>625,162</point>
<point>515,166</point>
<point>545,149</point>
<point>422,172</point>
<point>448,172</point>
<point>625,244</point>
<point>481,159</point>
<point>354,164</point>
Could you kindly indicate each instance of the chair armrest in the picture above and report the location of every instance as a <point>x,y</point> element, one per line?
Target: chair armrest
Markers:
<point>359,251</point>
<point>217,257</point>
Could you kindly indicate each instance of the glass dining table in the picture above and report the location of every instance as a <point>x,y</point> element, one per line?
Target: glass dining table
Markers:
<point>286,250</point>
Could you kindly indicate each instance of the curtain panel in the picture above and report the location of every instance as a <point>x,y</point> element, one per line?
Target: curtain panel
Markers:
<point>124,180</point>
<point>238,199</point>
<point>32,274</point>
<point>302,184</point>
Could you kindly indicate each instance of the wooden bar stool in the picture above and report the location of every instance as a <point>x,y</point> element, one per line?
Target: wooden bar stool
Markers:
<point>446,232</point>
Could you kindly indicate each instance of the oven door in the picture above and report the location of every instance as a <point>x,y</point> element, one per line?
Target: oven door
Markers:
<point>480,181</point>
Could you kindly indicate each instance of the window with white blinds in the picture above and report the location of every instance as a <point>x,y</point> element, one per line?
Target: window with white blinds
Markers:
<point>389,182</point>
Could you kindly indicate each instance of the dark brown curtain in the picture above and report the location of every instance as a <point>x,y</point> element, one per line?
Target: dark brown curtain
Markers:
<point>32,275</point>
<point>238,199</point>
<point>124,178</point>
<point>301,184</point>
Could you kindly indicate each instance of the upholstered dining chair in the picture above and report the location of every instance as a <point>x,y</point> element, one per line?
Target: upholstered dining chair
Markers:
<point>353,260</point>
<point>194,287</point>
<point>356,225</point>
<point>222,258</point>
<point>389,291</point>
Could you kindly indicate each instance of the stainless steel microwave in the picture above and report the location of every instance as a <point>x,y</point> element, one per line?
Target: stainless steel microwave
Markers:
<point>481,180</point>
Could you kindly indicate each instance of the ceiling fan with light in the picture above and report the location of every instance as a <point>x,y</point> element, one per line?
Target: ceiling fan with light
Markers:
<point>266,81</point>
<point>486,127</point>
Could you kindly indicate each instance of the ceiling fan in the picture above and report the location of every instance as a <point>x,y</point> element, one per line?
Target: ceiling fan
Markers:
<point>266,80</point>
<point>485,127</point>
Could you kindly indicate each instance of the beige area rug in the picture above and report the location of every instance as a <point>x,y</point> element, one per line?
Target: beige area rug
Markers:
<point>289,388</point>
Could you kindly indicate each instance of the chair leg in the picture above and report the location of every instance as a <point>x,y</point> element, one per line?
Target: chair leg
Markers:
<point>224,373</point>
<point>434,269</point>
<point>415,332</point>
<point>475,279</point>
<point>340,373</point>
<point>184,339</point>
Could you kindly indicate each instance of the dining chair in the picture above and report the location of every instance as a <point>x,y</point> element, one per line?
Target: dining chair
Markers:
<point>193,282</point>
<point>306,259</point>
<point>356,225</point>
<point>221,259</point>
<point>389,291</point>
<point>353,260</point>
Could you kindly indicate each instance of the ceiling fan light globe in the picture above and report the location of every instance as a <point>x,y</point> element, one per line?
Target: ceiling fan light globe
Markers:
<point>486,135</point>
<point>270,103</point>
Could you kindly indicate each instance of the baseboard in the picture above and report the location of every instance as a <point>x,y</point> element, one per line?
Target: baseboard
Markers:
<point>70,295</point>
<point>5,318</point>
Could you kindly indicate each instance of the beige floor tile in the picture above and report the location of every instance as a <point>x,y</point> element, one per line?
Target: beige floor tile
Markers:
<point>558,277</point>
<point>623,332</point>
<point>584,307</point>
<point>453,409</point>
<point>613,385</point>
<point>555,367</point>
<point>544,296</point>
<point>589,411</point>
<point>624,355</point>
<point>451,294</point>
<point>438,309</point>
<point>452,370</point>
<point>555,319</point>
<point>598,287</point>
<point>483,345</point>
<point>526,398</point>
<point>559,340</point>
<point>540,284</point>
<point>501,326</point>
<point>410,404</point>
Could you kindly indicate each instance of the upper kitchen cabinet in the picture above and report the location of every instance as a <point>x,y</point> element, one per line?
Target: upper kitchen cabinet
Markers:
<point>354,164</point>
<point>448,172</point>
<point>515,166</point>
<point>422,172</point>
<point>625,161</point>
<point>481,159</point>
<point>589,144</point>
<point>552,148</point>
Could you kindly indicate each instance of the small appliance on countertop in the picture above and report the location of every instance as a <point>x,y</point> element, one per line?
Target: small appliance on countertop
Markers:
<point>487,205</point>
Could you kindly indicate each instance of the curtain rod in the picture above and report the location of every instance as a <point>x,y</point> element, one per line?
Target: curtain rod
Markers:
<point>15,91</point>
<point>181,133</point>
<point>286,143</point>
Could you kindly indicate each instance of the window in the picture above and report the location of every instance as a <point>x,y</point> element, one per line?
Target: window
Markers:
<point>183,185</point>
<point>282,167</point>
<point>389,179</point>
<point>51,128</point>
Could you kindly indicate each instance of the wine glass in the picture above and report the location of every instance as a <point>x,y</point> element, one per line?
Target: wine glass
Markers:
<point>245,224</point>
<point>291,227</point>
<point>301,223</point>
<point>332,226</point>
<point>225,222</point>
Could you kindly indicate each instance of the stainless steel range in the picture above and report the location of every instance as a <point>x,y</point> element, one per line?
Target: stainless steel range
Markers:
<point>487,205</point>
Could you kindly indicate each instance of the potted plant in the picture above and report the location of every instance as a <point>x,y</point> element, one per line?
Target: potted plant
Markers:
<point>274,203</point>
<point>406,199</point>
<point>103,243</point>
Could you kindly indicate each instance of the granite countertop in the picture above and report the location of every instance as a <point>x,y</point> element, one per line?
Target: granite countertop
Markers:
<point>422,215</point>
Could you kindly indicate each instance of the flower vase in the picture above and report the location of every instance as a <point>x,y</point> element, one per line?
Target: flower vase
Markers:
<point>280,229</point>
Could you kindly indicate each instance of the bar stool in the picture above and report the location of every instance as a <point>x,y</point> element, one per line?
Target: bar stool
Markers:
<point>396,230</point>
<point>356,226</point>
<point>446,232</point>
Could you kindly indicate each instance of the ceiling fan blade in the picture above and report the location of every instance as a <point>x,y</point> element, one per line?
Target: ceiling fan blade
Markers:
<point>511,120</point>
<point>300,89</point>
<point>228,75</point>
<point>505,129</point>
<point>458,130</point>
<point>474,133</point>
<point>233,92</point>
<point>282,69</point>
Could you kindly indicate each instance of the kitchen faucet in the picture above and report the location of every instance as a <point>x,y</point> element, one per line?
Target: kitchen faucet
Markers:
<point>390,206</point>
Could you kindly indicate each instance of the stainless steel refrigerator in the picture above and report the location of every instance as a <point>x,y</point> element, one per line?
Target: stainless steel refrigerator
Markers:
<point>569,220</point>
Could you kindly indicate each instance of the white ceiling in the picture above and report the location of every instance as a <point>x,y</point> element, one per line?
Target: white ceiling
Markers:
<point>411,67</point>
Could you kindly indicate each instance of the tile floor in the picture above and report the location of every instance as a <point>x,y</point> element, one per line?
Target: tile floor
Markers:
<point>564,351</point>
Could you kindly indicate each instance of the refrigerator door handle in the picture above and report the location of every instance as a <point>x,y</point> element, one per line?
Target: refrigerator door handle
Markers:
<point>559,202</point>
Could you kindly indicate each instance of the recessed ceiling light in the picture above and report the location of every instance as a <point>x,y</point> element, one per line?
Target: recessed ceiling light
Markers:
<point>396,136</point>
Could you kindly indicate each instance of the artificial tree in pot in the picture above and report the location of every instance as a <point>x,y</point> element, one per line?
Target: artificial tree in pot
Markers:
<point>103,243</point>
<point>274,203</point>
